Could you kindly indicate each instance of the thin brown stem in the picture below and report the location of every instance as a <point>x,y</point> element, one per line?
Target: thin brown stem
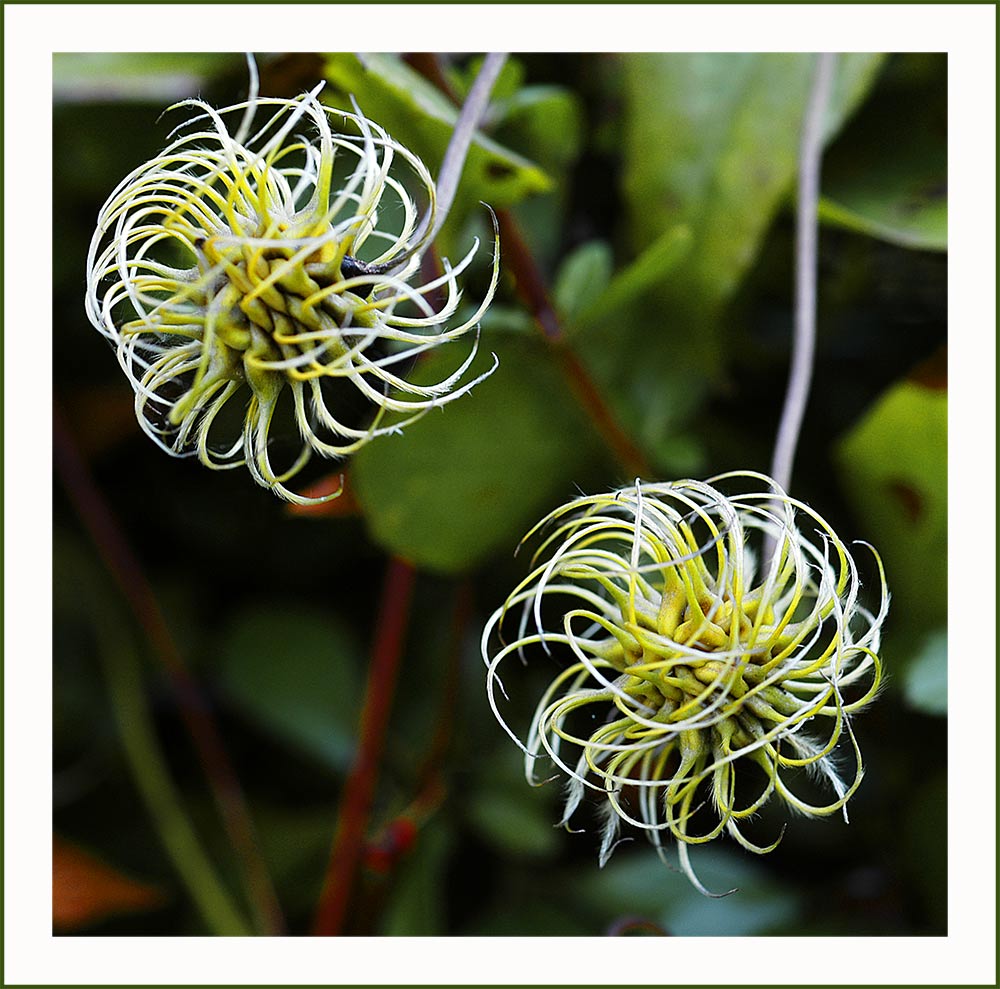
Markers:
<point>534,293</point>
<point>440,742</point>
<point>128,574</point>
<point>359,790</point>
<point>394,841</point>
<point>528,279</point>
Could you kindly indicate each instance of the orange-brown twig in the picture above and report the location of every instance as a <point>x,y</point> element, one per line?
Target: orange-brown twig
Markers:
<point>349,836</point>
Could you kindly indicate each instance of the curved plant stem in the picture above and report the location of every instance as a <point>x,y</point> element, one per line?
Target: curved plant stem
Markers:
<point>806,238</point>
<point>121,667</point>
<point>469,118</point>
<point>127,572</point>
<point>352,821</point>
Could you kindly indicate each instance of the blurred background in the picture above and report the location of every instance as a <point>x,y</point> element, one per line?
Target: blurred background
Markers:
<point>211,646</point>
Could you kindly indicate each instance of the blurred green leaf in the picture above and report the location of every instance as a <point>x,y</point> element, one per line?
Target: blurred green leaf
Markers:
<point>925,679</point>
<point>726,130</point>
<point>640,884</point>
<point>80,65</point>
<point>417,905</point>
<point>295,843</point>
<point>619,336</point>
<point>509,814</point>
<point>135,76</point>
<point>907,208</point>
<point>582,278</point>
<point>624,298</point>
<point>894,469</point>
<point>710,152</point>
<point>887,176</point>
<point>711,141</point>
<point>507,319</point>
<point>461,77</point>
<point>547,120</point>
<point>515,825</point>
<point>294,672</point>
<point>417,114</point>
<point>469,479</point>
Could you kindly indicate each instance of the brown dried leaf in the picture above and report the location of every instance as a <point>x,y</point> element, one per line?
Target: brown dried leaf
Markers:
<point>86,890</point>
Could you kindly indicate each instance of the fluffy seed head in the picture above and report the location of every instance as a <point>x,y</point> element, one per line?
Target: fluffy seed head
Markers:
<point>228,274</point>
<point>712,645</point>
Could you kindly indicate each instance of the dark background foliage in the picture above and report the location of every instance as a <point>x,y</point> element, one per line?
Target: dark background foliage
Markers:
<point>655,195</point>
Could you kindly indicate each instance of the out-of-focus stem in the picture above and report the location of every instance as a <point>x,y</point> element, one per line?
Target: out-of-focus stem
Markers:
<point>359,790</point>
<point>127,572</point>
<point>806,239</point>
<point>155,786</point>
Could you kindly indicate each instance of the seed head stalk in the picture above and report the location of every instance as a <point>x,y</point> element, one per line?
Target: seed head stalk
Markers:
<point>807,222</point>
<point>711,631</point>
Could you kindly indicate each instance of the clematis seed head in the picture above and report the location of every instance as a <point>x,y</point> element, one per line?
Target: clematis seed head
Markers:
<point>713,646</point>
<point>272,252</point>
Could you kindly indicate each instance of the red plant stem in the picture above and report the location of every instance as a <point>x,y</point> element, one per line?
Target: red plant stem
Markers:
<point>127,572</point>
<point>384,850</point>
<point>445,721</point>
<point>359,790</point>
<point>531,288</point>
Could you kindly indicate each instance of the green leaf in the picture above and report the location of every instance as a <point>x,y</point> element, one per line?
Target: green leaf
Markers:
<point>622,339</point>
<point>710,150</point>
<point>907,208</point>
<point>470,478</point>
<point>294,672</point>
<point>711,141</point>
<point>462,77</point>
<point>894,468</point>
<point>582,278</point>
<point>508,813</point>
<point>887,175</point>
<point>517,826</point>
<point>639,884</point>
<point>418,115</point>
<point>135,76</point>
<point>925,679</point>
<point>626,297</point>
<point>547,120</point>
<point>507,319</point>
